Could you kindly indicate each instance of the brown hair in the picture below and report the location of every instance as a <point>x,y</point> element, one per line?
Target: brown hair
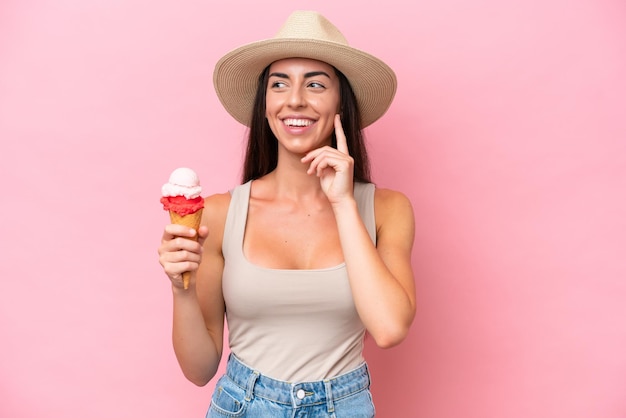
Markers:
<point>262,151</point>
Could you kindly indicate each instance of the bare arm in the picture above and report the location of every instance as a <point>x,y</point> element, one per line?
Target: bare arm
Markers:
<point>198,314</point>
<point>381,276</point>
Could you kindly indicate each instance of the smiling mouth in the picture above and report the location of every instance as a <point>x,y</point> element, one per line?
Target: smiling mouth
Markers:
<point>298,123</point>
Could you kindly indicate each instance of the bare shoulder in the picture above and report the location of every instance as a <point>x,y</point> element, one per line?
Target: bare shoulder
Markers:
<point>214,217</point>
<point>394,212</point>
<point>217,205</point>
<point>389,202</point>
<point>390,196</point>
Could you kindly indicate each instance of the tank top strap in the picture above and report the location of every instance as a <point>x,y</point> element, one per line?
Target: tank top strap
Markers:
<point>364,196</point>
<point>236,218</point>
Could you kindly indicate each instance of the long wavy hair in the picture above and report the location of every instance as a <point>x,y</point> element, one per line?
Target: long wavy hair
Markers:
<point>262,150</point>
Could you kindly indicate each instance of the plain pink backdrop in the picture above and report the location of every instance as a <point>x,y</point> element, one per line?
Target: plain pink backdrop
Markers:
<point>508,134</point>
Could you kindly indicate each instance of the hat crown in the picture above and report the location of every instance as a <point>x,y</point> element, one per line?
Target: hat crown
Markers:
<point>310,25</point>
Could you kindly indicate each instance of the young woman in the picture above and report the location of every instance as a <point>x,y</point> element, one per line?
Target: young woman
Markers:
<point>306,255</point>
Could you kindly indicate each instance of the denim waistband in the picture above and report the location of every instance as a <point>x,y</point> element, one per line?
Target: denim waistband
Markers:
<point>297,394</point>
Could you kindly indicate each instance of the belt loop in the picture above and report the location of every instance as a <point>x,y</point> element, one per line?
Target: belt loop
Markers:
<point>329,396</point>
<point>250,385</point>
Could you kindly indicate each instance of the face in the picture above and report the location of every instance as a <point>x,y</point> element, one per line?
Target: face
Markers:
<point>302,100</point>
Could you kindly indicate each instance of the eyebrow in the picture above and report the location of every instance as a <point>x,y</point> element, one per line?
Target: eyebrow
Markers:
<point>306,75</point>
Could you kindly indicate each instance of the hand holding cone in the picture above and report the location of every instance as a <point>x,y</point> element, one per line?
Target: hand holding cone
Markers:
<point>181,197</point>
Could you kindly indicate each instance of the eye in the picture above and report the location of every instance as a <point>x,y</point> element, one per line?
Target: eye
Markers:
<point>316,85</point>
<point>278,85</point>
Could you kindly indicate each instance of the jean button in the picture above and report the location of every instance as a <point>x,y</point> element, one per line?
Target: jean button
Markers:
<point>300,394</point>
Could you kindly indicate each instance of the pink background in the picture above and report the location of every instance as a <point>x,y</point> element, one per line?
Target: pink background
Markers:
<point>508,134</point>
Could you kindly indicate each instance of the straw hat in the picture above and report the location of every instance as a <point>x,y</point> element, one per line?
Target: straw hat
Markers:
<point>304,35</point>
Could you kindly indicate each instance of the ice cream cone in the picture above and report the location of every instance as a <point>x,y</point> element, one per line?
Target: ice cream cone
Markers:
<point>191,220</point>
<point>181,196</point>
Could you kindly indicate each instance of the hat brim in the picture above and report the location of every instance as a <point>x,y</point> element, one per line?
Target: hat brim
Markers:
<point>236,74</point>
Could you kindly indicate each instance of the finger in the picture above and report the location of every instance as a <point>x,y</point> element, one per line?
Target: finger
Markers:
<point>178,245</point>
<point>178,261</point>
<point>312,154</point>
<point>175,270</point>
<point>331,158</point>
<point>316,160</point>
<point>203,234</point>
<point>313,157</point>
<point>203,231</point>
<point>182,256</point>
<point>174,230</point>
<point>184,243</point>
<point>342,143</point>
<point>328,162</point>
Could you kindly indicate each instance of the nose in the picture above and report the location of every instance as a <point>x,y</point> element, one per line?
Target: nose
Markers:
<point>296,98</point>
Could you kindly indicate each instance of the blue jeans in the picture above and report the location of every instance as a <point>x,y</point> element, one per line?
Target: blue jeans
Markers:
<point>244,392</point>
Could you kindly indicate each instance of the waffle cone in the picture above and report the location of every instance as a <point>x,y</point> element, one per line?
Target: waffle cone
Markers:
<point>192,221</point>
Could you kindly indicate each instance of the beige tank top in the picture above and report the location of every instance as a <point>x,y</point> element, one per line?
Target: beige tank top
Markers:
<point>291,325</point>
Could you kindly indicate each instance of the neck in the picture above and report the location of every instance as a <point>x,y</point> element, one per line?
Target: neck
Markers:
<point>290,179</point>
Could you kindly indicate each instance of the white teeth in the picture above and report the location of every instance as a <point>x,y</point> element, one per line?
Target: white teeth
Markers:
<point>298,122</point>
